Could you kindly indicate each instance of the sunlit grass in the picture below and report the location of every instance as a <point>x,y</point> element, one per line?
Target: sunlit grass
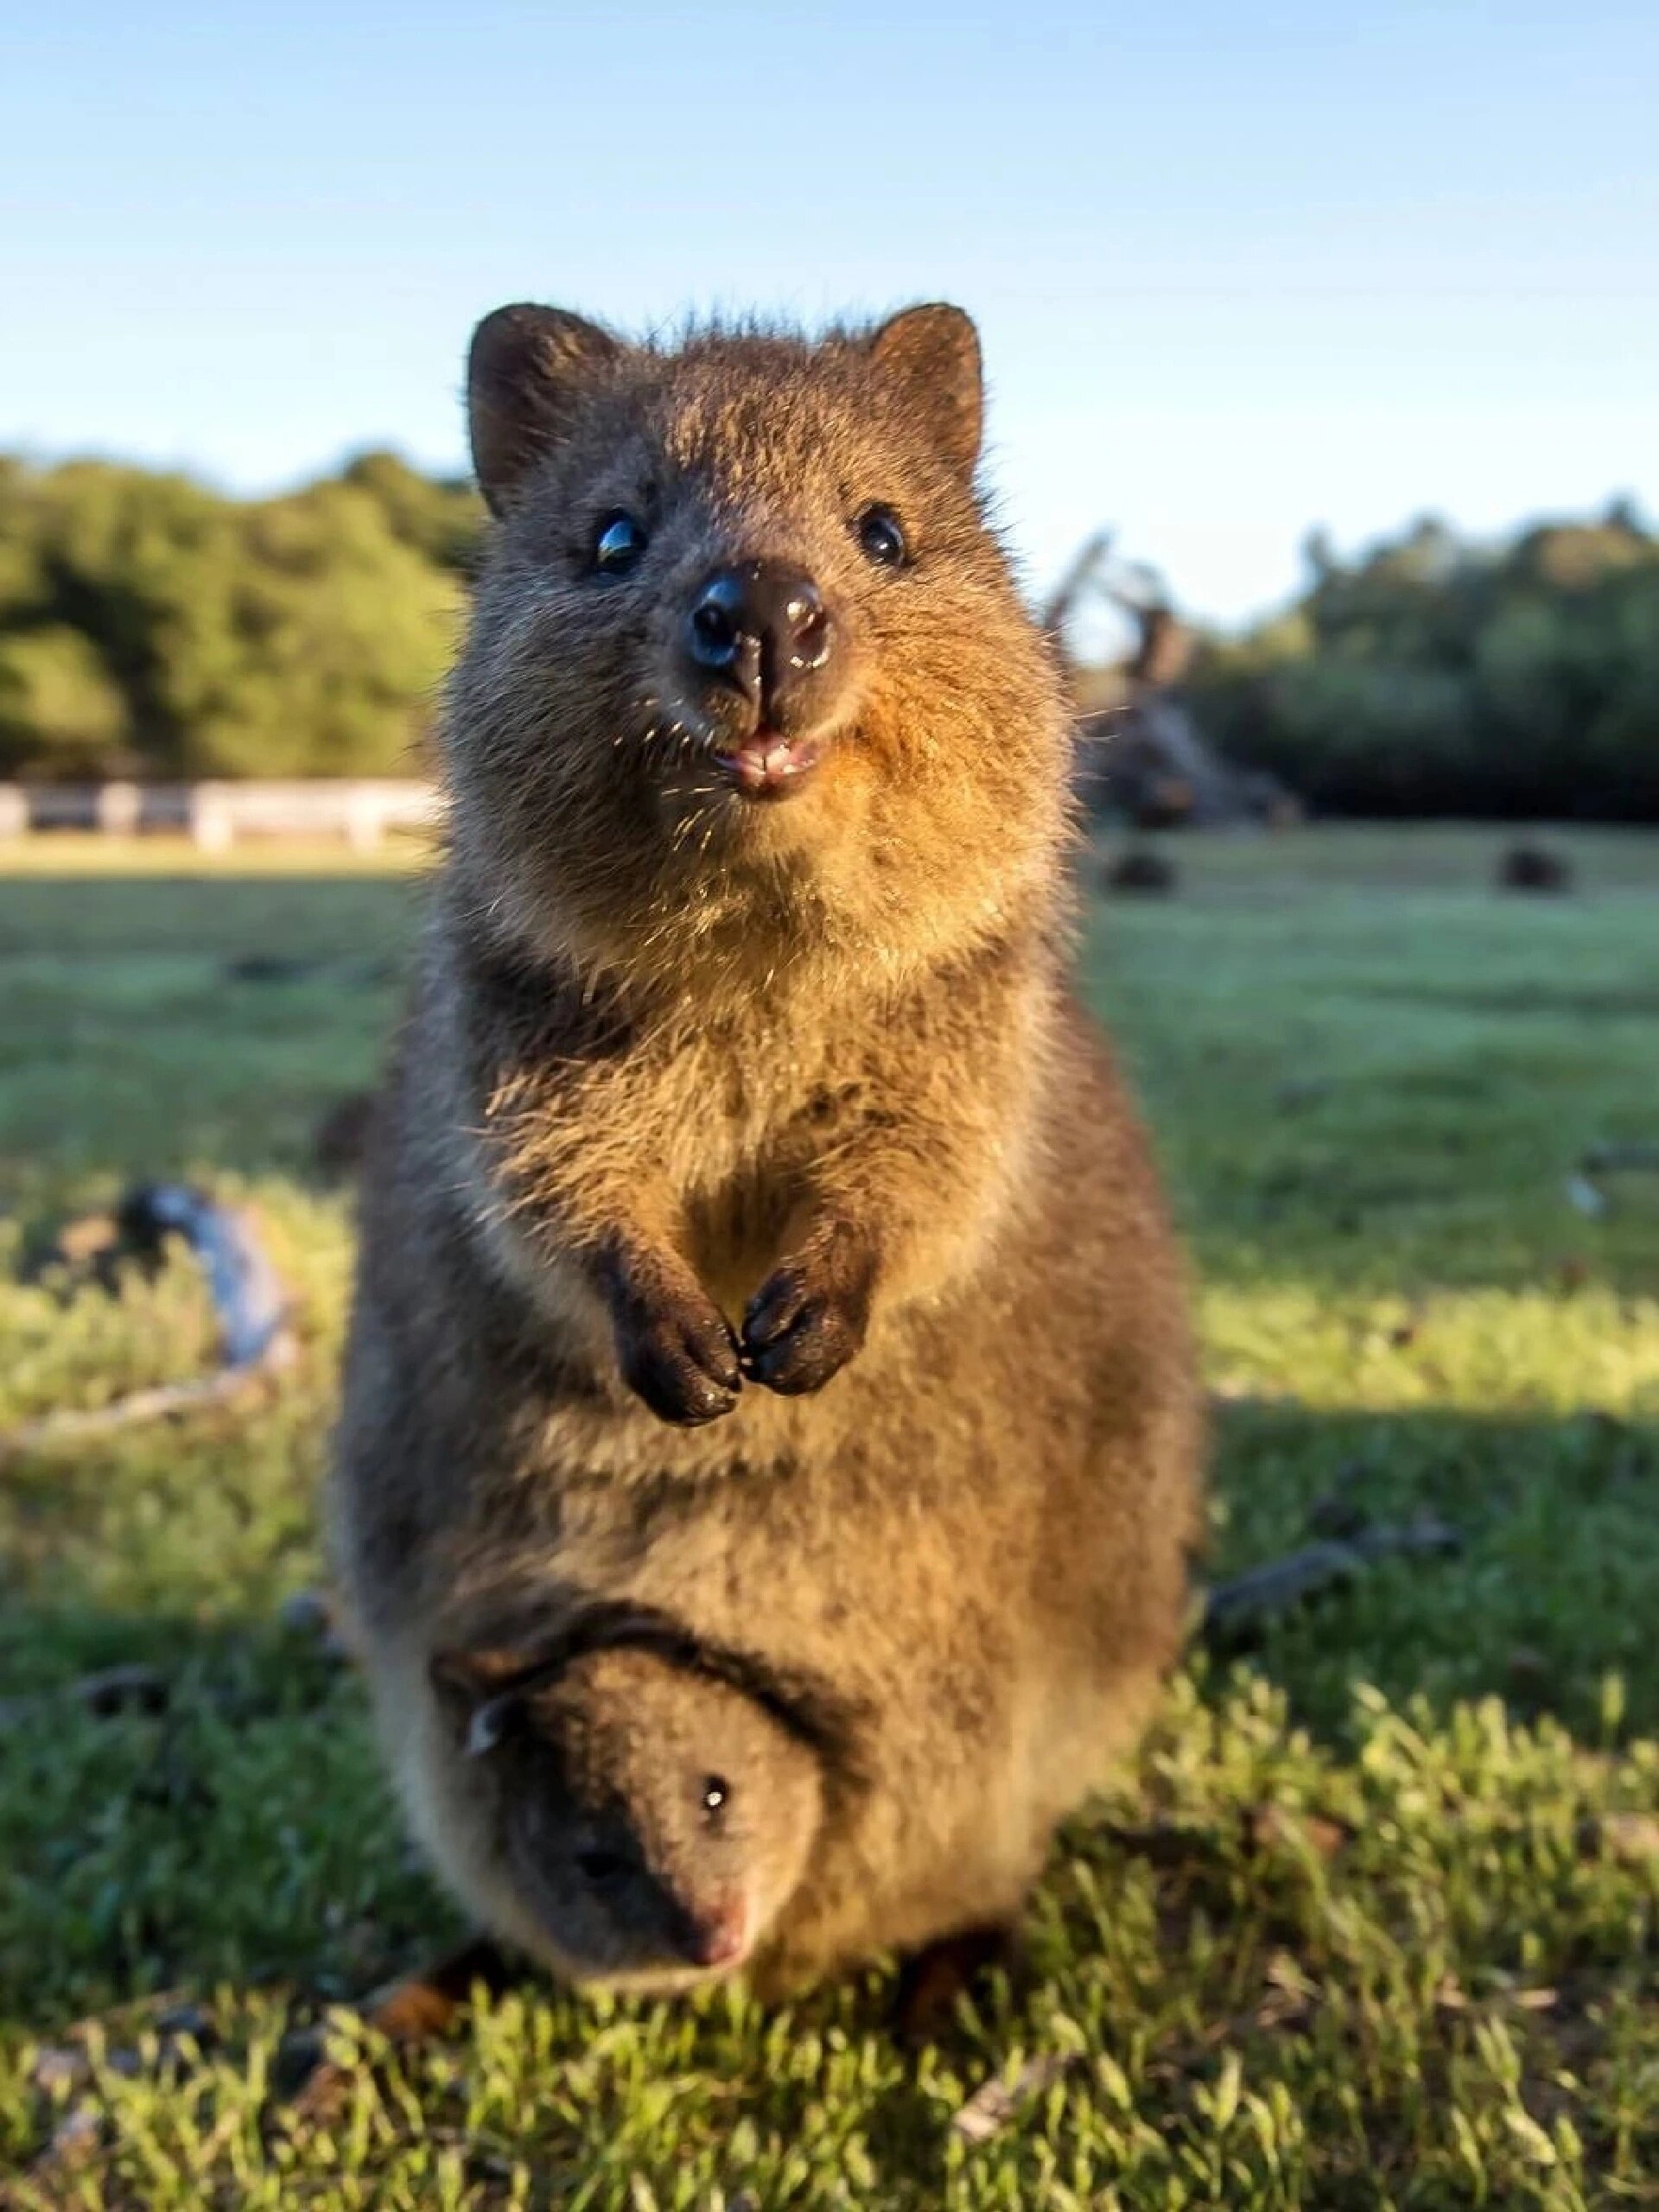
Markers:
<point>1427,1976</point>
<point>74,853</point>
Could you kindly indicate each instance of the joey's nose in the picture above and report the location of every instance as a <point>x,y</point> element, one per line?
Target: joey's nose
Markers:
<point>763,628</point>
<point>717,1938</point>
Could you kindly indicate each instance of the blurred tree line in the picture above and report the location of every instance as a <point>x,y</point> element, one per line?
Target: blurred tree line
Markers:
<point>1434,678</point>
<point>150,627</point>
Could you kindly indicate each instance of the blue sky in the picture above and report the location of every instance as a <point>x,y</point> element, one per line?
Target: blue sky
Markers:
<point>1239,270</point>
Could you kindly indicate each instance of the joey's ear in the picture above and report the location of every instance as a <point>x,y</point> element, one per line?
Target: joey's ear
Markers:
<point>933,351</point>
<point>525,371</point>
<point>479,1690</point>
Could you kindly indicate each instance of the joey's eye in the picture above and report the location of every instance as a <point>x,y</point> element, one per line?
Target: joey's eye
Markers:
<point>620,544</point>
<point>716,1793</point>
<point>604,1869</point>
<point>881,534</point>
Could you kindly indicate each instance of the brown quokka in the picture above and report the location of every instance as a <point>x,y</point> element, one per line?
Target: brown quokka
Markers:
<point>756,1233</point>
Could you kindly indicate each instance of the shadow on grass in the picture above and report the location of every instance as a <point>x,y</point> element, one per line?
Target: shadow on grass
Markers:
<point>245,1832</point>
<point>1552,1593</point>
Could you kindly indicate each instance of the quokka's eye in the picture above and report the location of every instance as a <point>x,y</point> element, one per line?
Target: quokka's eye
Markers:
<point>620,544</point>
<point>881,534</point>
<point>716,1794</point>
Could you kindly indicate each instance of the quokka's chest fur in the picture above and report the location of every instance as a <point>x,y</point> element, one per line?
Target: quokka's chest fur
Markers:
<point>567,1105</point>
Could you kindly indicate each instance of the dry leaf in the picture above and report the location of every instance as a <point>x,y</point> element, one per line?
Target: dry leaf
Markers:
<point>1631,1837</point>
<point>1290,1995</point>
<point>74,2139</point>
<point>59,2067</point>
<point>1271,1827</point>
<point>994,2103</point>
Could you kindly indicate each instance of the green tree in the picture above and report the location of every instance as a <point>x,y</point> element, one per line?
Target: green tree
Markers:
<point>303,635</point>
<point>61,715</point>
<point>440,517</point>
<point>1431,677</point>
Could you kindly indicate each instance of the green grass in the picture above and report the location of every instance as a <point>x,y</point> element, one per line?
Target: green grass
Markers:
<point>1429,1977</point>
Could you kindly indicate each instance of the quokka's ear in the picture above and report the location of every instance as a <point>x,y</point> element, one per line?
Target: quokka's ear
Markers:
<point>526,372</point>
<point>933,352</point>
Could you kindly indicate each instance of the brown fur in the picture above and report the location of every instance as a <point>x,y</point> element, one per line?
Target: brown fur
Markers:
<point>781,1119</point>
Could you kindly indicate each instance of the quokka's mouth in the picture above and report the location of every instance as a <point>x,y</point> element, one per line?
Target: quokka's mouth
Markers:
<point>767,765</point>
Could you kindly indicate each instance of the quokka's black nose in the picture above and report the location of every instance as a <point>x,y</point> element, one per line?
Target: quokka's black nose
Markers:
<point>763,628</point>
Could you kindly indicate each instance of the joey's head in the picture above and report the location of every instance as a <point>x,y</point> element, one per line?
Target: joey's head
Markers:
<point>747,674</point>
<point>651,1823</point>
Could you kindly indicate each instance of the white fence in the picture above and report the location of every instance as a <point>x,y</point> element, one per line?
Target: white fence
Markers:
<point>216,816</point>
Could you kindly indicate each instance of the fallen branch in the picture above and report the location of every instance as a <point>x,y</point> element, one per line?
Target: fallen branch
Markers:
<point>130,1687</point>
<point>248,1296</point>
<point>1238,1611</point>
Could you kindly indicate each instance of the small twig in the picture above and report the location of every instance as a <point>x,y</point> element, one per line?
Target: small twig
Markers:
<point>1637,1158</point>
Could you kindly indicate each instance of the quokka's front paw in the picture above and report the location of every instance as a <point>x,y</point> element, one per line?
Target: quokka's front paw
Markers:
<point>675,1347</point>
<point>810,1316</point>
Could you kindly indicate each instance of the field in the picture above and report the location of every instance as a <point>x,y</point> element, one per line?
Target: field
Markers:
<point>1375,1922</point>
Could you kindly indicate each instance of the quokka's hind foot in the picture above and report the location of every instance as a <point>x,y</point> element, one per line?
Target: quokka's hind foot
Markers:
<point>933,1980</point>
<point>420,2006</point>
